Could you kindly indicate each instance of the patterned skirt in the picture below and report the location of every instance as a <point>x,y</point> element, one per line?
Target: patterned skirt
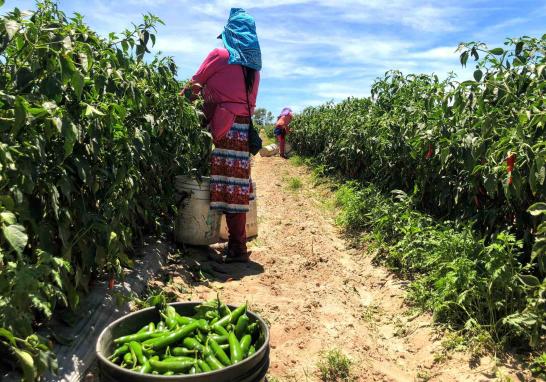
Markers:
<point>230,184</point>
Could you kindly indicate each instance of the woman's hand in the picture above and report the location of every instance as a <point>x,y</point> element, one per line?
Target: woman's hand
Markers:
<point>191,91</point>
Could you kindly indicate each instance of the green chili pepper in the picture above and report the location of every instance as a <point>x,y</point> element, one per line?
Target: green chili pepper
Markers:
<point>220,330</point>
<point>204,325</point>
<point>235,348</point>
<point>183,320</point>
<point>174,366</point>
<point>193,370</point>
<point>192,343</point>
<point>224,347</point>
<point>220,339</point>
<point>136,351</point>
<point>204,366</point>
<point>251,350</point>
<point>252,328</point>
<point>147,328</point>
<point>218,352</point>
<point>154,338</point>
<point>221,322</point>
<point>242,325</point>
<point>178,351</point>
<point>180,358</point>
<point>170,311</point>
<point>170,321</point>
<point>173,337</point>
<point>146,368</point>
<point>119,352</point>
<point>232,317</point>
<point>245,344</point>
<point>200,337</point>
<point>128,358</point>
<point>168,373</point>
<point>139,337</point>
<point>213,363</point>
<point>160,326</point>
<point>224,310</point>
<point>237,313</point>
<point>133,356</point>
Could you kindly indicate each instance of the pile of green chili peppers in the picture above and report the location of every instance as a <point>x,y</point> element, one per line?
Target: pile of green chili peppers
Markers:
<point>214,338</point>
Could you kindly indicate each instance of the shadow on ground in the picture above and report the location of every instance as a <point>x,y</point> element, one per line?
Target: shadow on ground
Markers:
<point>197,266</point>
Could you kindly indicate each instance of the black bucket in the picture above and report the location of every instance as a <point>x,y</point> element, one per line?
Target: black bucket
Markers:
<point>252,369</point>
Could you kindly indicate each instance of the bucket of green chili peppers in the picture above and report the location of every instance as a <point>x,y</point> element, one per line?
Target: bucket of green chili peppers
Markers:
<point>185,341</point>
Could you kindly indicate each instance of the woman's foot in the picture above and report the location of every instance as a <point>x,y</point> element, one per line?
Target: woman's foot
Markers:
<point>240,258</point>
<point>230,256</point>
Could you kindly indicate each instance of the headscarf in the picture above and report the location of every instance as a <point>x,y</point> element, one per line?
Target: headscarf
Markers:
<point>241,41</point>
<point>285,111</point>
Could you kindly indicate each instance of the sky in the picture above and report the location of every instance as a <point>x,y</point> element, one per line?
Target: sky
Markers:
<point>322,50</point>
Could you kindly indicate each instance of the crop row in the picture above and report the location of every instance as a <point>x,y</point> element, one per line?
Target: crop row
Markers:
<point>470,154</point>
<point>91,137</point>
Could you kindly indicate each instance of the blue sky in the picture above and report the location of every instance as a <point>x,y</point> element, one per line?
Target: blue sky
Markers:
<point>315,51</point>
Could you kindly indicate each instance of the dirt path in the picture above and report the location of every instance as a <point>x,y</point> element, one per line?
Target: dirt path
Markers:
<point>319,294</point>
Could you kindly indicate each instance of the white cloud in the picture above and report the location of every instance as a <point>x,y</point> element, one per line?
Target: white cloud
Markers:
<point>317,50</point>
<point>438,53</point>
<point>339,90</point>
<point>180,44</point>
<point>106,20</point>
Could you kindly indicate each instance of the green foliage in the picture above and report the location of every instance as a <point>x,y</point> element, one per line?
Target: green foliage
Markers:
<point>538,367</point>
<point>270,132</point>
<point>153,296</point>
<point>448,143</point>
<point>294,183</point>
<point>297,160</point>
<point>262,117</point>
<point>470,154</point>
<point>335,367</point>
<point>464,280</point>
<point>91,137</point>
<point>266,133</point>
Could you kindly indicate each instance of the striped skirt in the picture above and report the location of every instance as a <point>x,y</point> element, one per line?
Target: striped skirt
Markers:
<point>230,184</point>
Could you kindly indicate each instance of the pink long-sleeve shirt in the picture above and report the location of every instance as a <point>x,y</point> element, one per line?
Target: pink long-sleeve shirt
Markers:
<point>224,91</point>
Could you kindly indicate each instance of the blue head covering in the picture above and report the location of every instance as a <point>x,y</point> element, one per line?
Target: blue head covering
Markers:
<point>241,41</point>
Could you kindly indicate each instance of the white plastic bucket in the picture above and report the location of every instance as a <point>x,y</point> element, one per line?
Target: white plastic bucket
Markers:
<point>251,219</point>
<point>269,150</point>
<point>196,223</point>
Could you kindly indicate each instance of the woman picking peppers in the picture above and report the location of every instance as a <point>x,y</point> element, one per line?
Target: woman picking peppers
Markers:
<point>282,127</point>
<point>228,80</point>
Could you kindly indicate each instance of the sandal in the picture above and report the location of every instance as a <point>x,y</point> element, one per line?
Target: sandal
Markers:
<point>243,258</point>
<point>229,256</point>
<point>217,257</point>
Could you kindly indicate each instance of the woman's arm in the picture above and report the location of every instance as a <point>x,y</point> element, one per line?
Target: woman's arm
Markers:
<point>210,65</point>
